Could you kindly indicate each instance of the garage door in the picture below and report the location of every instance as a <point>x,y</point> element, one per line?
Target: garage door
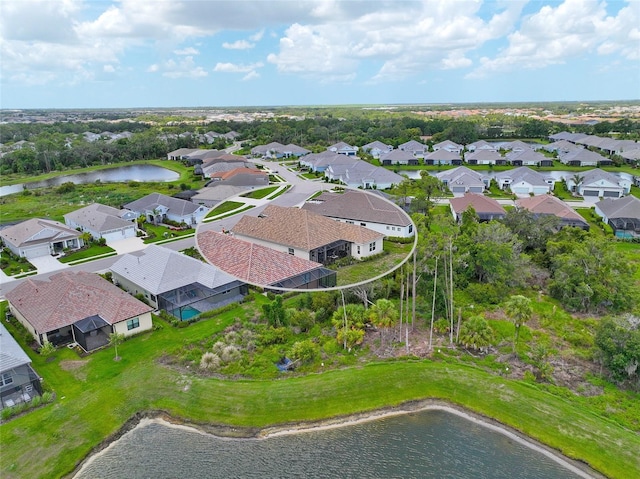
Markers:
<point>590,193</point>
<point>476,189</point>
<point>611,194</point>
<point>36,251</point>
<point>520,190</point>
<point>457,189</point>
<point>540,191</point>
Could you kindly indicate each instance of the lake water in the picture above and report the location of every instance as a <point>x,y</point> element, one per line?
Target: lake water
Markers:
<point>110,175</point>
<point>427,444</point>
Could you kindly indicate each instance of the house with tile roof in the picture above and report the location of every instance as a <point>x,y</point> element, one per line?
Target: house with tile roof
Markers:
<point>398,157</point>
<point>270,150</point>
<point>414,147</point>
<point>343,148</point>
<point>486,208</point>
<point>583,157</point>
<point>102,221</point>
<point>376,148</point>
<point>463,180</point>
<point>443,157</point>
<point>364,209</point>
<point>622,214</point>
<point>260,265</point>
<point>600,184</point>
<point>449,146</point>
<point>77,307</point>
<point>174,282</point>
<point>38,237</point>
<point>218,165</point>
<point>524,181</point>
<point>242,177</point>
<point>308,235</point>
<point>528,157</point>
<point>480,145</point>
<point>550,205</point>
<point>19,383</point>
<point>319,162</point>
<point>361,174</point>
<point>485,157</point>
<point>156,208</point>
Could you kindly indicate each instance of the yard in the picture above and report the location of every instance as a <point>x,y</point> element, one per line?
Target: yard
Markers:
<point>12,265</point>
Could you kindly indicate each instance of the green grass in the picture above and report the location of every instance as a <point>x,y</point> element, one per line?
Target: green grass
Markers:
<point>561,192</point>
<point>159,233</point>
<point>12,265</point>
<point>364,270</point>
<point>90,252</point>
<point>224,207</point>
<point>259,194</point>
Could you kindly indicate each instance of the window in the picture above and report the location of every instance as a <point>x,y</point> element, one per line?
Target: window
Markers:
<point>372,246</point>
<point>363,224</point>
<point>387,227</point>
<point>358,249</point>
<point>133,324</point>
<point>350,222</point>
<point>290,250</point>
<point>5,379</point>
<point>410,228</point>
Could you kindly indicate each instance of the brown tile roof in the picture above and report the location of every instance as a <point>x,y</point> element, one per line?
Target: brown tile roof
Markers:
<point>68,297</point>
<point>298,228</point>
<point>358,206</point>
<point>480,203</point>
<point>225,175</point>
<point>250,262</point>
<point>549,205</point>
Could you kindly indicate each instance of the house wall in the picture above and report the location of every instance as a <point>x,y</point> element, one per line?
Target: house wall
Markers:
<point>360,251</point>
<point>24,322</point>
<point>133,289</point>
<point>387,230</point>
<point>34,251</point>
<point>145,325</point>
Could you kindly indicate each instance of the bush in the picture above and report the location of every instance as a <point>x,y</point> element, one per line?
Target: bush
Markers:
<point>230,354</point>
<point>210,360</point>
<point>304,351</point>
<point>47,350</point>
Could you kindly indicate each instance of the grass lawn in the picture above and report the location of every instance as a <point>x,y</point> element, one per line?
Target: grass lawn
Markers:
<point>50,441</point>
<point>159,233</point>
<point>259,194</point>
<point>224,207</point>
<point>364,270</point>
<point>561,192</point>
<point>90,252</point>
<point>12,265</point>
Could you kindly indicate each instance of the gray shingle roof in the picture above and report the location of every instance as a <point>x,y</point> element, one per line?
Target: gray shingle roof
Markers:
<point>99,218</point>
<point>158,270</point>
<point>175,206</point>
<point>626,207</point>
<point>36,231</point>
<point>11,354</point>
<point>524,174</point>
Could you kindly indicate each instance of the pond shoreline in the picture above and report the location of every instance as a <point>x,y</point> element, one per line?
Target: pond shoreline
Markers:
<point>142,419</point>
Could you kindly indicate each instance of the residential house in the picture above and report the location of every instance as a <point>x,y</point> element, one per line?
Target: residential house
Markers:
<point>443,157</point>
<point>462,180</point>
<point>516,145</point>
<point>319,162</point>
<point>485,157</point>
<point>360,174</point>
<point>599,183</point>
<point>18,381</point>
<point>565,135</point>
<point>79,307</point>
<point>583,157</point>
<point>102,221</point>
<point>270,150</point>
<point>180,153</point>
<point>398,157</point>
<point>343,148</point>
<point>562,147</point>
<point>365,209</point>
<point>308,235</point>
<point>486,208</point>
<point>215,193</point>
<point>156,208</point>
<point>217,166</point>
<point>377,148</point>
<point>37,237</point>
<point>241,177</point>
<point>480,145</point>
<point>550,205</point>
<point>414,147</point>
<point>524,181</point>
<point>174,282</point>
<point>622,214</point>
<point>449,146</point>
<point>260,265</point>
<point>528,157</point>
<point>632,156</point>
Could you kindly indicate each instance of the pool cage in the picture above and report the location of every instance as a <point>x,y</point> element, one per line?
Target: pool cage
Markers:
<point>625,227</point>
<point>188,301</point>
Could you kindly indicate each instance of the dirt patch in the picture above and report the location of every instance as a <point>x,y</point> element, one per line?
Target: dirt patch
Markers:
<point>70,365</point>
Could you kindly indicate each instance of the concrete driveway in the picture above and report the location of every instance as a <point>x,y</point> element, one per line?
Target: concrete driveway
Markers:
<point>47,264</point>
<point>128,245</point>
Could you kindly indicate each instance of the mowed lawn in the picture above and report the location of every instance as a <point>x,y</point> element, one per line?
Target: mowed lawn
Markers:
<point>97,395</point>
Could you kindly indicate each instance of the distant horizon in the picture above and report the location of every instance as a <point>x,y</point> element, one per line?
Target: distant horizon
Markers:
<point>93,54</point>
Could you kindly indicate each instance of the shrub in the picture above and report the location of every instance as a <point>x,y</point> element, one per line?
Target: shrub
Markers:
<point>47,350</point>
<point>230,354</point>
<point>210,360</point>
<point>305,351</point>
<point>218,347</point>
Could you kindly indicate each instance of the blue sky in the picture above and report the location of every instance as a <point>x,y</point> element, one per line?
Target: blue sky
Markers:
<point>201,53</point>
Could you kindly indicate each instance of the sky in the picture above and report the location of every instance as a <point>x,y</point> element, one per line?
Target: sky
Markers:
<point>201,53</point>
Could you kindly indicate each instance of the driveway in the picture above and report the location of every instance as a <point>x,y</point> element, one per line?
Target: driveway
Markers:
<point>47,264</point>
<point>127,245</point>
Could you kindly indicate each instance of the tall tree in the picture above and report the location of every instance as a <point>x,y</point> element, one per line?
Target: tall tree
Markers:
<point>518,309</point>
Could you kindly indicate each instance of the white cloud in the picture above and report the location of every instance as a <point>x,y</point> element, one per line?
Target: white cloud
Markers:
<point>184,67</point>
<point>557,34</point>
<point>187,51</point>
<point>236,67</point>
<point>108,69</point>
<point>256,37</point>
<point>252,75</point>
<point>238,45</point>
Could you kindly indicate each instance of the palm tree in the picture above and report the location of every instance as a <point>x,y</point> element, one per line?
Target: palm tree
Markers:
<point>577,180</point>
<point>383,314</point>
<point>518,309</point>
<point>476,333</point>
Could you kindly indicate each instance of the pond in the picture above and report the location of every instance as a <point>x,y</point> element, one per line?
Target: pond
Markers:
<point>110,175</point>
<point>432,443</point>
